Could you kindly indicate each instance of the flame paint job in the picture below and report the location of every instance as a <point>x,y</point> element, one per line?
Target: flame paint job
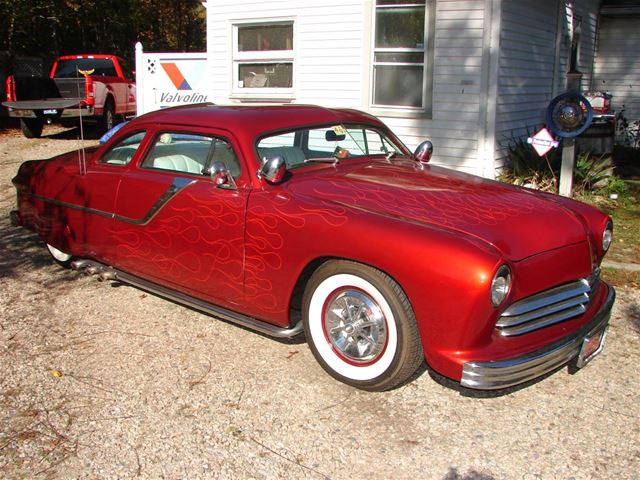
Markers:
<point>440,234</point>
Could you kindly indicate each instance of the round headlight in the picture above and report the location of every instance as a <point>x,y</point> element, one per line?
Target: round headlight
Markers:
<point>607,236</point>
<point>500,285</point>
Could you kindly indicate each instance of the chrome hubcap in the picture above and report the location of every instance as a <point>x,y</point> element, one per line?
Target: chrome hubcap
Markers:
<point>356,326</point>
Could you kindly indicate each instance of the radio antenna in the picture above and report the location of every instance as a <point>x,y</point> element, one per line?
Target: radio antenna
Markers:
<point>82,161</point>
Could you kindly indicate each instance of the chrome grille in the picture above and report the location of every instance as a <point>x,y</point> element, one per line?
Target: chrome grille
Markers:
<point>549,307</point>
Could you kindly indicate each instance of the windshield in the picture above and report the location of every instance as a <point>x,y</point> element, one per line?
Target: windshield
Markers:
<point>328,142</point>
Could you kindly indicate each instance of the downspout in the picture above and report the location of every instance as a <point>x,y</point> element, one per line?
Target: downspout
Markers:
<point>489,88</point>
<point>556,64</point>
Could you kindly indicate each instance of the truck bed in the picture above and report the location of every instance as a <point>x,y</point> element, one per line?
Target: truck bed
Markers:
<point>45,93</point>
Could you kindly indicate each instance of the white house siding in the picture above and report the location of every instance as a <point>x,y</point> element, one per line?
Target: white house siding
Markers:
<point>455,125</point>
<point>328,43</point>
<point>617,69</point>
<point>588,12</point>
<point>527,66</point>
<point>534,60</point>
<point>332,63</point>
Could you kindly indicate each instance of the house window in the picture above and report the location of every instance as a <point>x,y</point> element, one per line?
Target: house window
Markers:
<point>263,58</point>
<point>399,54</point>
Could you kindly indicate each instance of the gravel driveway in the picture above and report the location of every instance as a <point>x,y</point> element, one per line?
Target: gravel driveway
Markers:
<point>100,380</point>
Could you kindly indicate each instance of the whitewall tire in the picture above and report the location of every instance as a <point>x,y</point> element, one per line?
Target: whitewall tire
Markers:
<point>59,256</point>
<point>360,326</point>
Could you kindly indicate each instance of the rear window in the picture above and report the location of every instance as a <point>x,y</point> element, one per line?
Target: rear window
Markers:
<point>78,67</point>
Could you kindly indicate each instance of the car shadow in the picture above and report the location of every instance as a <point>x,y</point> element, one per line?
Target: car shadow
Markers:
<point>296,340</point>
<point>21,249</point>
<point>632,311</point>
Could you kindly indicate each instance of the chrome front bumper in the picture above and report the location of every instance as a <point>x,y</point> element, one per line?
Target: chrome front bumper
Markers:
<point>512,371</point>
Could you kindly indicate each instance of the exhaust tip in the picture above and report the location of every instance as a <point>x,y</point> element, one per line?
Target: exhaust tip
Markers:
<point>107,275</point>
<point>79,264</point>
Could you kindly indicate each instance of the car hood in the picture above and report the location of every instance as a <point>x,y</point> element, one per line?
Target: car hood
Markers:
<point>518,222</point>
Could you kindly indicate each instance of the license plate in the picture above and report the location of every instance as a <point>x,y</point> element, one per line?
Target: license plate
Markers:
<point>51,112</point>
<point>591,346</point>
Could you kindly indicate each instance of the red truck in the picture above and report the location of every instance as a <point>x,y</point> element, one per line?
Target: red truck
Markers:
<point>79,88</point>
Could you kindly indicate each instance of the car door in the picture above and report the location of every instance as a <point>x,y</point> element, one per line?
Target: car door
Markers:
<point>91,196</point>
<point>175,227</point>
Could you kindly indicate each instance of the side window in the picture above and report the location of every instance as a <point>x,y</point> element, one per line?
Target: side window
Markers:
<point>127,71</point>
<point>377,143</point>
<point>284,145</point>
<point>282,140</point>
<point>190,153</point>
<point>123,151</point>
<point>223,152</point>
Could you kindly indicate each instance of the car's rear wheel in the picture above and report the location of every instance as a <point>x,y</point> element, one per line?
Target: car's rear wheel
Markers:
<point>360,326</point>
<point>62,258</point>
<point>31,127</point>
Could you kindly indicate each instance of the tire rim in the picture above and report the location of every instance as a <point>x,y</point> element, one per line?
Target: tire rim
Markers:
<point>355,325</point>
<point>109,120</point>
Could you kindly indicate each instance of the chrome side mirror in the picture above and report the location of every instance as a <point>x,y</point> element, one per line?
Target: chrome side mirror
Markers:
<point>424,151</point>
<point>272,169</point>
<point>221,176</point>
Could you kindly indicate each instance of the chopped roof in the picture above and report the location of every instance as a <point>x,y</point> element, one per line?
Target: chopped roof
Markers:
<point>253,120</point>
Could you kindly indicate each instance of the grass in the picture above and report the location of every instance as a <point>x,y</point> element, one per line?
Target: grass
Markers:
<point>625,248</point>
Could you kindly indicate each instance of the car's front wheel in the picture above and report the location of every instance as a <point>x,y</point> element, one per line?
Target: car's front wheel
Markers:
<point>360,326</point>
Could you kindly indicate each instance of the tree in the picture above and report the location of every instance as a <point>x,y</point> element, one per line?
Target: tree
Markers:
<point>49,28</point>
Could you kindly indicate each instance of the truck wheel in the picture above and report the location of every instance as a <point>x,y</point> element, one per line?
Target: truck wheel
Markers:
<point>360,326</point>
<point>108,117</point>
<point>31,127</point>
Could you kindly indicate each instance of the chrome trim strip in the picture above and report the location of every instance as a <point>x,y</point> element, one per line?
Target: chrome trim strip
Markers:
<point>544,321</point>
<point>172,190</point>
<point>549,307</point>
<point>542,312</point>
<point>553,295</point>
<point>208,308</point>
<point>512,371</point>
<point>178,184</point>
<point>60,203</point>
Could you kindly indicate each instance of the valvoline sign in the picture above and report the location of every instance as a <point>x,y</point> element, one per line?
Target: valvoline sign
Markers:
<point>170,79</point>
<point>182,74</point>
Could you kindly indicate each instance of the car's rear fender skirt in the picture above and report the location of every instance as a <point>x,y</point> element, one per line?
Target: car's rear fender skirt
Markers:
<point>106,273</point>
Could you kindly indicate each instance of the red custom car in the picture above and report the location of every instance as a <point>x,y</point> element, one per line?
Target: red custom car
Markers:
<point>291,219</point>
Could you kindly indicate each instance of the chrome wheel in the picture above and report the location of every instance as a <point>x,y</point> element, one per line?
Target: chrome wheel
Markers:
<point>355,326</point>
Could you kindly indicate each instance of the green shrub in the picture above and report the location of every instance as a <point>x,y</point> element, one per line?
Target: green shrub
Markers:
<point>591,173</point>
<point>523,166</point>
<point>616,185</point>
